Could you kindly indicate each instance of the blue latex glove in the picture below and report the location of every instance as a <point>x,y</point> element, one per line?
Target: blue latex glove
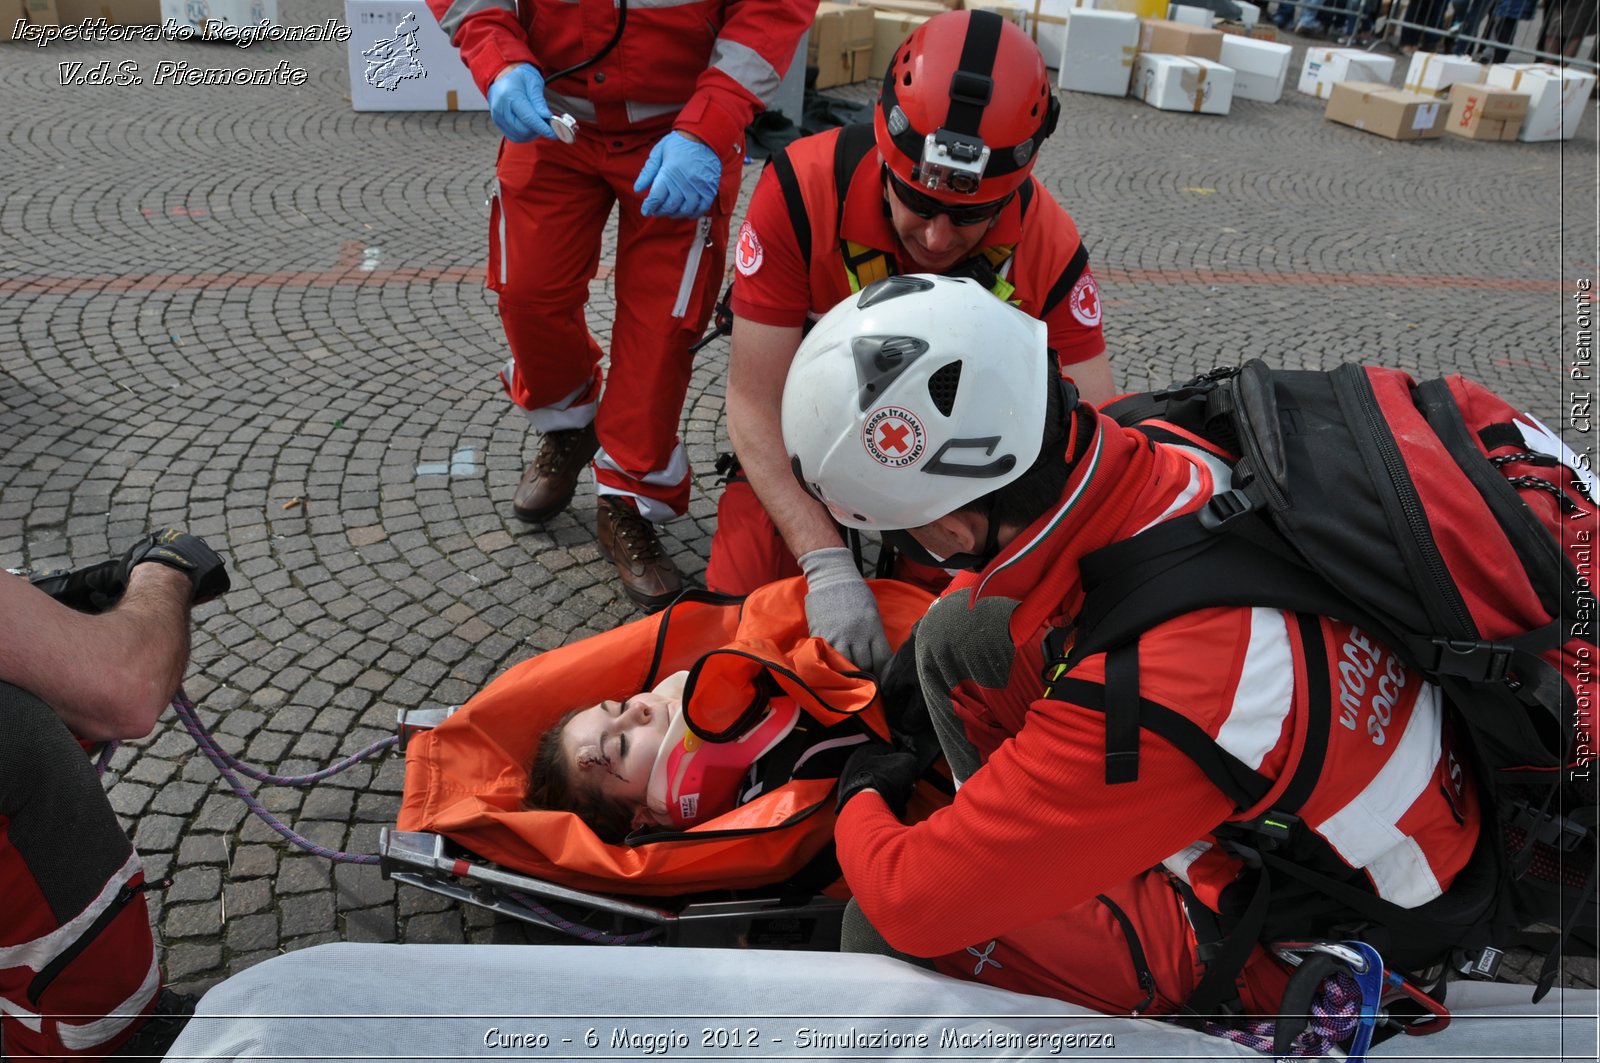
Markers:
<point>682,176</point>
<point>516,103</point>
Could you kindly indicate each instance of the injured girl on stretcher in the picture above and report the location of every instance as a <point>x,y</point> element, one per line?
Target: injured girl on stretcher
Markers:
<point>696,749</point>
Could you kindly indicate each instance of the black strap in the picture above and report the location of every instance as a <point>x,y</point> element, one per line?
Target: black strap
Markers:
<point>1179,566</point>
<point>1069,276</point>
<point>799,217</point>
<point>972,85</point>
<point>1122,714</point>
<point>1504,434</point>
<point>1243,785</point>
<point>849,149</point>
<point>1319,718</point>
<point>1216,991</point>
<point>1294,1011</point>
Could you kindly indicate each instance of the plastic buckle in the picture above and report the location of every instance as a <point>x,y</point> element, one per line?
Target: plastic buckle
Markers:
<point>1275,828</point>
<point>1483,964</point>
<point>1223,508</point>
<point>968,87</point>
<point>1474,661</point>
<point>1547,828</point>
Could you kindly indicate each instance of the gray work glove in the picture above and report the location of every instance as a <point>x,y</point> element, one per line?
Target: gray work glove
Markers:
<point>840,608</point>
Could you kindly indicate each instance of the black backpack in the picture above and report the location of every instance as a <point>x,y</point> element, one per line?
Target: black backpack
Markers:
<point>1405,510</point>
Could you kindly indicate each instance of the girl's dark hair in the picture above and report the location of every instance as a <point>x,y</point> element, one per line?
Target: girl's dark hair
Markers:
<point>554,786</point>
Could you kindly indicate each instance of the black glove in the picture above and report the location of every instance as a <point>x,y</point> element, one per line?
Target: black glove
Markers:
<point>875,766</point>
<point>904,708</point>
<point>88,590</point>
<point>188,554</point>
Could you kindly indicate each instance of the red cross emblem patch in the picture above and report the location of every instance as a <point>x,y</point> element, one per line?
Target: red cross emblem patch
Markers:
<point>1085,301</point>
<point>747,255</point>
<point>894,437</point>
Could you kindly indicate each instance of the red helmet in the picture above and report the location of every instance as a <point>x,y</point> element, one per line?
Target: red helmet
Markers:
<point>966,102</point>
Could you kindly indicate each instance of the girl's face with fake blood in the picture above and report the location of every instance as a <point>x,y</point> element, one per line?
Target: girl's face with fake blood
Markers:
<point>613,745</point>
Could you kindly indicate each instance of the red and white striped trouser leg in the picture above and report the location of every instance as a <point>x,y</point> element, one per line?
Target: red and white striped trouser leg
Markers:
<point>77,964</point>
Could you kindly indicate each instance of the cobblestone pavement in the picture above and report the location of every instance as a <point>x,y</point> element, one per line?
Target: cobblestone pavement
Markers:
<point>260,315</point>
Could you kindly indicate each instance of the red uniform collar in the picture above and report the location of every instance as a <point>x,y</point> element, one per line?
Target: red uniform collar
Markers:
<point>866,215</point>
<point>1040,566</point>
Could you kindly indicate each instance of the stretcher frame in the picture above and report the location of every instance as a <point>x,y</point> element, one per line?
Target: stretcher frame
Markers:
<point>778,917</point>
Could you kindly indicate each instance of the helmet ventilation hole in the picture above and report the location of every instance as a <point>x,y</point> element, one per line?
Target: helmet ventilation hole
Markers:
<point>942,387</point>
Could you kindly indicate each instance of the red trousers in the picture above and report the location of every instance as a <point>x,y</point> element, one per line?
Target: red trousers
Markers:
<point>1091,957</point>
<point>747,550</point>
<point>77,965</point>
<point>549,211</point>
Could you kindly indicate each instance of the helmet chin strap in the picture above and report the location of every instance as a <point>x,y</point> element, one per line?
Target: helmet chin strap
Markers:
<point>1064,429</point>
<point>907,544</point>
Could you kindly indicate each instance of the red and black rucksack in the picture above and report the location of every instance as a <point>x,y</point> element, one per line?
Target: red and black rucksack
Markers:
<point>1442,520</point>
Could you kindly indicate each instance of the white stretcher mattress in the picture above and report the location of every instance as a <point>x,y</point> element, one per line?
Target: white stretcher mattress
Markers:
<point>438,1002</point>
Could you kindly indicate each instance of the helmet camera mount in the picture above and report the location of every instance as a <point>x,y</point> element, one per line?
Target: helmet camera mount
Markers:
<point>954,156</point>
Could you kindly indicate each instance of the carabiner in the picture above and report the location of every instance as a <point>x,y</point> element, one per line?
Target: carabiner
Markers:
<point>1441,1014</point>
<point>1344,952</point>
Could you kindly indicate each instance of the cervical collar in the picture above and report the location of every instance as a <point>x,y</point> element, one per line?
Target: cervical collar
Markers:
<point>694,780</point>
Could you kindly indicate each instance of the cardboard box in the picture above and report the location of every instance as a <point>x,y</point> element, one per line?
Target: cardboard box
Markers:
<point>1388,112</point>
<point>1325,67</point>
<point>1183,83</point>
<point>1261,31</point>
<point>115,12</point>
<point>840,44</point>
<point>925,8</point>
<point>400,60</point>
<point>1191,16</point>
<point>1142,8</point>
<point>1260,68</point>
<point>1097,52</point>
<point>1434,72</point>
<point>889,31</point>
<point>197,13</point>
<point>1478,112</point>
<point>1165,37</point>
<point>1249,13</point>
<point>11,12</point>
<point>1015,13</point>
<point>1556,97</point>
<point>1047,23</point>
<point>41,12</point>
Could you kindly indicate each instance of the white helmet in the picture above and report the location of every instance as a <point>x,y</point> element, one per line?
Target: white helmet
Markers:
<point>914,398</point>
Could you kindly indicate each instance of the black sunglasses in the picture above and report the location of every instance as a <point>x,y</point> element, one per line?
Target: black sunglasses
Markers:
<point>925,206</point>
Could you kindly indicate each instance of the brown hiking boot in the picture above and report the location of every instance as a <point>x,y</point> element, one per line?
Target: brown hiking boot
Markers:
<point>547,486</point>
<point>629,541</point>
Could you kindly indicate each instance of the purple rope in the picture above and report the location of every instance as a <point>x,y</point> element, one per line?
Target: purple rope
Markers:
<point>1335,1012</point>
<point>601,937</point>
<point>102,760</point>
<point>186,712</point>
<point>225,763</point>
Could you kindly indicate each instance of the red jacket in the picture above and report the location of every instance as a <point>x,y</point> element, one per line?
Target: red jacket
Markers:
<point>1037,831</point>
<point>700,66</point>
<point>778,284</point>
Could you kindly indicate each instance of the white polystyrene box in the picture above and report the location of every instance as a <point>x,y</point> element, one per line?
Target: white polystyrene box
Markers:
<point>1434,72</point>
<point>1325,66</point>
<point>1260,68</point>
<point>1557,97</point>
<point>1194,16</point>
<point>1097,52</point>
<point>1182,83</point>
